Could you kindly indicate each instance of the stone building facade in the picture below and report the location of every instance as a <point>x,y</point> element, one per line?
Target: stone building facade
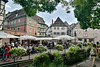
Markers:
<point>87,35</point>
<point>57,28</point>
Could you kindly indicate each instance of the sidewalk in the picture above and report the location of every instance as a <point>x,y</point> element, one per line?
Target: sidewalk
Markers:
<point>88,63</point>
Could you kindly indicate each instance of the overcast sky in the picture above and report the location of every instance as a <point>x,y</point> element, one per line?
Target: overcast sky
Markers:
<point>60,12</point>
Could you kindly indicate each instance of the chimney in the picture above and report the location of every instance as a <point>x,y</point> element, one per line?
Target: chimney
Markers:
<point>52,21</point>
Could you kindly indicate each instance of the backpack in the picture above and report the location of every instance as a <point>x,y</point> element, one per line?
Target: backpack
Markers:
<point>93,52</point>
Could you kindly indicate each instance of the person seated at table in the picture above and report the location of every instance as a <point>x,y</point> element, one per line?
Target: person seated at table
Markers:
<point>34,49</point>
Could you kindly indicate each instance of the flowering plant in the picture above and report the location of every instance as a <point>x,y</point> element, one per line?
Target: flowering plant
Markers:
<point>84,44</point>
<point>59,47</point>
<point>41,60</point>
<point>17,51</point>
<point>79,44</point>
<point>42,48</point>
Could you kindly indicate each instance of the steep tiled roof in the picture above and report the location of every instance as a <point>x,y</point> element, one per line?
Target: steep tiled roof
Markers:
<point>59,23</point>
<point>19,13</point>
<point>12,15</point>
<point>69,27</point>
<point>39,19</point>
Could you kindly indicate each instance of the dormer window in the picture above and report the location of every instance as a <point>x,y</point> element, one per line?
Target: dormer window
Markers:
<point>16,15</point>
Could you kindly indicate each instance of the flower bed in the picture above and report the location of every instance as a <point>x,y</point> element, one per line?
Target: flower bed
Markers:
<point>74,55</point>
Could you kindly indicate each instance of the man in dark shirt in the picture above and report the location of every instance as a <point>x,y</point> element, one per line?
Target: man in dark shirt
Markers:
<point>16,44</point>
<point>5,48</point>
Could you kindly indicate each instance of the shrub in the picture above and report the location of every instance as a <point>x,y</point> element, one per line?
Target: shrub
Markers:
<point>58,60</point>
<point>74,55</point>
<point>41,60</point>
<point>42,48</point>
<point>98,45</point>
<point>59,47</point>
<point>84,44</point>
<point>80,45</point>
<point>17,51</point>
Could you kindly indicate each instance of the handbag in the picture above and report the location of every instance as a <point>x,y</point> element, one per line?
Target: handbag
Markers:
<point>93,52</point>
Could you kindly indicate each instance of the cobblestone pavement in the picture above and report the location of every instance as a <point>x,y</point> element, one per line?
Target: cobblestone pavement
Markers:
<point>88,63</point>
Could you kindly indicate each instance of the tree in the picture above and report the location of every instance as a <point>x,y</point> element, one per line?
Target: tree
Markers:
<point>87,13</point>
<point>31,7</point>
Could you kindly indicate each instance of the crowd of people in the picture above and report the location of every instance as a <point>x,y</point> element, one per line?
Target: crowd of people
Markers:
<point>8,46</point>
<point>28,46</point>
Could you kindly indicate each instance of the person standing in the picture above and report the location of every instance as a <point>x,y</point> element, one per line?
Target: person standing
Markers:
<point>5,49</point>
<point>7,52</point>
<point>94,53</point>
<point>12,44</point>
<point>16,44</point>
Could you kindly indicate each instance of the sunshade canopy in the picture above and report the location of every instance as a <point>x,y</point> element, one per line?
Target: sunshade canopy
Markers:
<point>6,35</point>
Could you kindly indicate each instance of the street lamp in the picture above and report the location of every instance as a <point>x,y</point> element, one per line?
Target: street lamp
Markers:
<point>75,36</point>
<point>2,12</point>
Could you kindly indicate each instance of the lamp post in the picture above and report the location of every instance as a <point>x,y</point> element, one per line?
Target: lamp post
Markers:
<point>2,12</point>
<point>75,36</point>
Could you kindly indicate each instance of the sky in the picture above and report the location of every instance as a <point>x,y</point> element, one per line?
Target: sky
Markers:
<point>60,12</point>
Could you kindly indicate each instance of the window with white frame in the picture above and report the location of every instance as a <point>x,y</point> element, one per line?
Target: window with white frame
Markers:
<point>18,20</point>
<point>54,28</point>
<point>18,29</point>
<point>95,35</point>
<point>58,33</point>
<point>54,33</point>
<point>62,33</point>
<point>16,15</point>
<point>76,30</point>
<point>63,28</point>
<point>85,35</point>
<point>14,21</point>
<point>30,20</point>
<point>95,29</point>
<point>57,28</point>
<point>30,30</point>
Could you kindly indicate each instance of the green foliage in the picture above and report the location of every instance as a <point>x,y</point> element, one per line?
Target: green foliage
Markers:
<point>17,51</point>
<point>80,45</point>
<point>98,45</point>
<point>59,65</point>
<point>31,7</point>
<point>70,44</point>
<point>84,11</point>
<point>55,53</point>
<point>88,48</point>
<point>59,47</point>
<point>41,60</point>
<point>73,49</point>
<point>58,60</point>
<point>84,44</point>
<point>42,48</point>
<point>74,55</point>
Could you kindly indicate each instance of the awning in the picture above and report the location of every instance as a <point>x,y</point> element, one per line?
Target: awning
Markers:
<point>27,37</point>
<point>6,35</point>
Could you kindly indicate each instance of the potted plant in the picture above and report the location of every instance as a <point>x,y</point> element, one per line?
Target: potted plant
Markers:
<point>59,47</point>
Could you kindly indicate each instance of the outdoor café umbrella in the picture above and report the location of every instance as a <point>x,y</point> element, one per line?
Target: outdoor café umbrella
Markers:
<point>6,35</point>
<point>65,37</point>
<point>26,37</point>
<point>44,38</point>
